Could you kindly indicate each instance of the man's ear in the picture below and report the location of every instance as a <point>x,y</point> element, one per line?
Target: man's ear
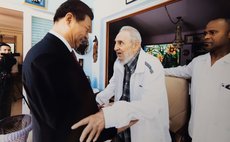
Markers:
<point>137,45</point>
<point>69,17</point>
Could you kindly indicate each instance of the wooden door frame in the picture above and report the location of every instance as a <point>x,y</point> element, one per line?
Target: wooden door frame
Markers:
<point>121,18</point>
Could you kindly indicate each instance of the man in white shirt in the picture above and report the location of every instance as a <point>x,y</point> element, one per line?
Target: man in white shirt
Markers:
<point>210,85</point>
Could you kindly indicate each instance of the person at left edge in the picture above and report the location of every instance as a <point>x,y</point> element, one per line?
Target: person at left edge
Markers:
<point>56,86</point>
<point>7,60</point>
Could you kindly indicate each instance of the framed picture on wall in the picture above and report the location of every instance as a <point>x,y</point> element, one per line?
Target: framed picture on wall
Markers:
<point>129,1</point>
<point>37,3</point>
<point>168,55</point>
<point>186,54</point>
<point>194,38</point>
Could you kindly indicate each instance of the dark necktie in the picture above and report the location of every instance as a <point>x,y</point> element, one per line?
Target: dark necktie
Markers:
<point>125,135</point>
<point>74,56</point>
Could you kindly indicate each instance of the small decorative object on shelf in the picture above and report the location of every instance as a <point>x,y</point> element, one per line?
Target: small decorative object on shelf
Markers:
<point>95,49</point>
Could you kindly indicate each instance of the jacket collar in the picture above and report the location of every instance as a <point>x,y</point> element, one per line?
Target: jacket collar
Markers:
<point>141,62</point>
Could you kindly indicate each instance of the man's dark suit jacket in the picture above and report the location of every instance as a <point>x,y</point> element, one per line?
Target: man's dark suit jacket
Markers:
<point>58,92</point>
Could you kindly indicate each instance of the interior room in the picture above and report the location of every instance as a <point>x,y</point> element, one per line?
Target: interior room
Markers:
<point>12,34</point>
<point>163,24</point>
<point>157,25</point>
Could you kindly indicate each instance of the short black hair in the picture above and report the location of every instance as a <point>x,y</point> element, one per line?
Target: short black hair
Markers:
<point>3,44</point>
<point>78,8</point>
<point>228,22</point>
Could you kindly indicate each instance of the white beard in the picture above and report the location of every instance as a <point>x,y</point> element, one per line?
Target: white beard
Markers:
<point>126,60</point>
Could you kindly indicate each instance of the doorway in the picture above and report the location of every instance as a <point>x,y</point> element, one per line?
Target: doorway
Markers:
<point>157,25</point>
<point>11,32</point>
<point>112,30</point>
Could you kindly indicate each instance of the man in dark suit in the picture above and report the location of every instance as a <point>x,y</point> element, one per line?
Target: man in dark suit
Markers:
<point>57,88</point>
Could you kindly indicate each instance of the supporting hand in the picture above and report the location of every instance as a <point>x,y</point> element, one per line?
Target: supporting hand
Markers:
<point>95,124</point>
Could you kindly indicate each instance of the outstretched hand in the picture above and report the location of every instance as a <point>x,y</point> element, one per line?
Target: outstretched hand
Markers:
<point>95,124</point>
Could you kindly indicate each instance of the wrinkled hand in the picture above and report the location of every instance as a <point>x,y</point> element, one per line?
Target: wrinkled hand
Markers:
<point>125,127</point>
<point>95,124</point>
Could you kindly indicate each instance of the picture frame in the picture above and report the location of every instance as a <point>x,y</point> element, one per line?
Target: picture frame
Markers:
<point>81,62</point>
<point>167,54</point>
<point>194,38</point>
<point>197,43</point>
<point>186,54</point>
<point>37,3</point>
<point>129,1</point>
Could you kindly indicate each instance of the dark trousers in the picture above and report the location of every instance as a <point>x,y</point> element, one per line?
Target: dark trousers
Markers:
<point>5,97</point>
<point>117,139</point>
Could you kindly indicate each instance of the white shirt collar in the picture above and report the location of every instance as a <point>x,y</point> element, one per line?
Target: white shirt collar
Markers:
<point>62,39</point>
<point>226,58</point>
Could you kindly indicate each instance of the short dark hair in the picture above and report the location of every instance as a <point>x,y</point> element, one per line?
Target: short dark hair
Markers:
<point>227,20</point>
<point>3,44</point>
<point>78,8</point>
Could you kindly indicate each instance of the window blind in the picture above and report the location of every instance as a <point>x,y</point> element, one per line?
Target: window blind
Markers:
<point>40,27</point>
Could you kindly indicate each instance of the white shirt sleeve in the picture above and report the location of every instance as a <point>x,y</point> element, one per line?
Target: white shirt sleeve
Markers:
<point>103,97</point>
<point>180,71</point>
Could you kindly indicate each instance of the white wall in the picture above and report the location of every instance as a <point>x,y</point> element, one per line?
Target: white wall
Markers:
<point>107,10</point>
<point>19,4</point>
<point>104,11</point>
<point>28,12</point>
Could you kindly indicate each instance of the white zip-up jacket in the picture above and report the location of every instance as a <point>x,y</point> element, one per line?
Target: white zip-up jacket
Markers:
<point>148,101</point>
